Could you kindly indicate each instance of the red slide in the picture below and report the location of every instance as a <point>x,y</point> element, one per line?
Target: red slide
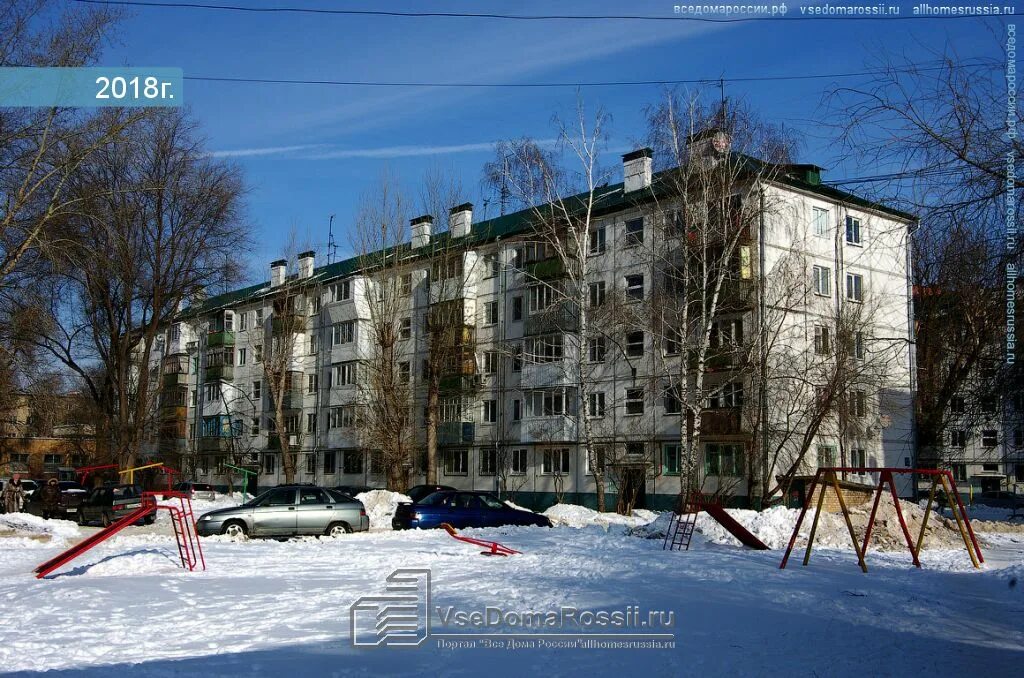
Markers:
<point>86,544</point>
<point>735,529</point>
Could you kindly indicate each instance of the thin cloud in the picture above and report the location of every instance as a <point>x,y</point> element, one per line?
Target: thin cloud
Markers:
<point>266,150</point>
<point>326,152</point>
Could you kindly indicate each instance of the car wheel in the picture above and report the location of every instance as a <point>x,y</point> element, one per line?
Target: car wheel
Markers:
<point>105,519</point>
<point>235,529</point>
<point>337,529</point>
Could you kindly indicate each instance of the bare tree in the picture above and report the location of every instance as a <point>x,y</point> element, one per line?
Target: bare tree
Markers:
<point>155,222</point>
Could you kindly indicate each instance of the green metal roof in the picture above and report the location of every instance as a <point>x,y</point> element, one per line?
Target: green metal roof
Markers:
<point>608,198</point>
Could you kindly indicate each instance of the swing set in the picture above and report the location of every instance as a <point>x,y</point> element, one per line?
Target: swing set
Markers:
<point>825,478</point>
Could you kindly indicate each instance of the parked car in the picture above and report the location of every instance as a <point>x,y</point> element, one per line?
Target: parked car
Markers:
<point>109,503</point>
<point>462,509</point>
<point>418,492</point>
<point>1000,499</point>
<point>72,495</point>
<point>287,511</point>
<point>29,487</point>
<point>353,490</point>
<point>202,491</point>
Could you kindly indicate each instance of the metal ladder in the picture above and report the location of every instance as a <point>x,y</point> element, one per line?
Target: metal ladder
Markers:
<point>680,528</point>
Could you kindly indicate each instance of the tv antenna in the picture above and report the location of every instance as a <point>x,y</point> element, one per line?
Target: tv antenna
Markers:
<point>332,246</point>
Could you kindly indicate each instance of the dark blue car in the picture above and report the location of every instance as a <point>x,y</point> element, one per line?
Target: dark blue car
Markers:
<point>462,509</point>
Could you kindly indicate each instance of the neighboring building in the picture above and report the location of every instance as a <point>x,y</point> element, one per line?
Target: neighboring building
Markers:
<point>513,419</point>
<point>41,437</point>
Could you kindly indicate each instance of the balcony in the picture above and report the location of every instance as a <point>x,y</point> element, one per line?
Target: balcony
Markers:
<point>173,412</point>
<point>722,422</point>
<point>456,433</point>
<point>175,370</point>
<point>455,383</point>
<point>551,268</point>
<point>554,429</point>
<point>274,441</point>
<point>288,321</point>
<point>219,373</point>
<point>558,318</point>
<point>220,339</point>
<point>541,375</point>
<point>216,444</point>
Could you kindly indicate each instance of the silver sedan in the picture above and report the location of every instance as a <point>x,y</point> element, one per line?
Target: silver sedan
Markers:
<point>288,511</point>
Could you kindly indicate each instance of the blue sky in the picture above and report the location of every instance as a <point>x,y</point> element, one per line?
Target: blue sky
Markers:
<point>312,151</point>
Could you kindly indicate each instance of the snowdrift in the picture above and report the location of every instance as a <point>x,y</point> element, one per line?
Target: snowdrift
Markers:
<point>28,525</point>
<point>381,506</point>
<point>572,515</point>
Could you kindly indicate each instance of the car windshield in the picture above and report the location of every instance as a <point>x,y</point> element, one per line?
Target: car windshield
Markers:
<point>434,499</point>
<point>492,502</point>
<point>202,487</point>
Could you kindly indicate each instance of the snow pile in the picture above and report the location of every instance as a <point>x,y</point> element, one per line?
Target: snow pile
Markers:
<point>28,525</point>
<point>518,507</point>
<point>380,506</point>
<point>572,515</point>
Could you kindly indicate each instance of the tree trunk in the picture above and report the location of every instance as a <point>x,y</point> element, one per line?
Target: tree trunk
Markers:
<point>433,400</point>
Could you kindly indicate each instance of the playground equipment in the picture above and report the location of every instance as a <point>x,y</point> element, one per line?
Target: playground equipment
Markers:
<point>168,471</point>
<point>826,477</point>
<point>681,525</point>
<point>493,547</point>
<point>190,551</point>
<point>246,475</point>
<point>84,472</point>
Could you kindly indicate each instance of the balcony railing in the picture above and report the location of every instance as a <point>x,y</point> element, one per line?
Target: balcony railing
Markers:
<point>215,444</point>
<point>551,268</point>
<point>171,412</point>
<point>274,441</point>
<point>219,373</point>
<point>456,432</point>
<point>218,339</point>
<point>558,318</point>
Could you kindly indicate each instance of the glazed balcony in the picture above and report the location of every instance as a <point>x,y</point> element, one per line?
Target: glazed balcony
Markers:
<point>219,373</point>
<point>456,433</point>
<point>220,339</point>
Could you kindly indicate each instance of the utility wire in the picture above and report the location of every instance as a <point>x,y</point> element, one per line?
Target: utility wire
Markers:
<point>523,17</point>
<point>599,83</point>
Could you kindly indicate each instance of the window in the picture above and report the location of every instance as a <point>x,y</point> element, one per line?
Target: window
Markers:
<point>989,437</point>
<point>635,287</point>
<point>352,462</point>
<point>555,462</point>
<point>673,402</point>
<point>989,404</point>
<point>858,404</point>
<point>990,468</point>
<point>595,460</point>
<point>819,220</point>
<point>550,402</point>
<point>821,280</point>
<point>634,232</point>
<point>491,313</point>
<point>254,426</point>
<point>1018,437</point>
<point>343,416</point>
<point>635,344</point>
<point>672,341</point>
<point>634,450</point>
<point>517,308</point>
<point>730,395</point>
<point>957,405</point>
<point>491,266</point>
<point>517,357</point>
<point>959,471</point>
<point>341,291</point>
<point>597,241</point>
<point>343,332</point>
<point>488,461</point>
<point>726,332</point>
<point>854,287</point>
<point>517,409</point>
<point>541,296</point>
<point>857,346</point>
<point>858,458</point>
<point>456,462</point>
<point>405,286</point>
<point>257,354</point>
<point>312,382</point>
<point>546,349</point>
<point>520,462</point>
<point>404,372</point>
<point>314,344</point>
<point>311,422</point>
<point>723,460</point>
<point>634,401</point>
<point>490,411</point>
<point>211,393</point>
<point>596,349</point>
<point>595,404</point>
<point>330,463</point>
<point>822,340</point>
<point>229,321</point>
<point>257,318</point>
<point>853,230</point>
<point>597,293</point>
<point>491,362</point>
<point>343,374</point>
<point>958,438</point>
<point>826,456</point>
<point>672,459</point>
<point>257,390</point>
<point>405,328</point>
<point>242,355</point>
<point>269,463</point>
<point>310,470</point>
<point>315,304</point>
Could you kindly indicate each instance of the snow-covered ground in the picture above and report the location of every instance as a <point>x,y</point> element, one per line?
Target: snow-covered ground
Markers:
<point>268,607</point>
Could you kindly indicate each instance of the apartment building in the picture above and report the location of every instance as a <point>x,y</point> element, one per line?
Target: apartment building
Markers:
<point>510,411</point>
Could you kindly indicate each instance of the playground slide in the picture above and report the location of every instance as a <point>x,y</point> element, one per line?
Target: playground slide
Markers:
<point>87,543</point>
<point>734,528</point>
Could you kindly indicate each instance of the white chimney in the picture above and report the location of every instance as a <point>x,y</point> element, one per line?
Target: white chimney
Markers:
<point>637,169</point>
<point>460,219</point>
<point>306,260</point>
<point>277,272</point>
<point>421,229</point>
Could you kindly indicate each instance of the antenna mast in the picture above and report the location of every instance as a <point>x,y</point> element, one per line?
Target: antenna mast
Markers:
<point>332,246</point>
